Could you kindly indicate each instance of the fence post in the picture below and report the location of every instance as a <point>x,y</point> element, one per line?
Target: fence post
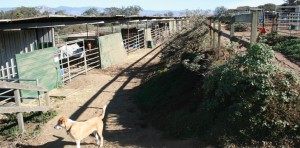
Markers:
<point>219,38</point>
<point>254,27</point>
<point>19,115</point>
<point>47,101</point>
<point>231,29</point>
<point>84,57</point>
<point>210,32</point>
<point>112,28</point>
<point>274,25</point>
<point>214,35</point>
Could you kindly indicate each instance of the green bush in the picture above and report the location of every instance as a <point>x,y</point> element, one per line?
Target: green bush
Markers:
<point>273,39</point>
<point>238,27</point>
<point>290,48</point>
<point>251,99</point>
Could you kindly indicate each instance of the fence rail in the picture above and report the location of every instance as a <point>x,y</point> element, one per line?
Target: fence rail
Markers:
<point>18,108</point>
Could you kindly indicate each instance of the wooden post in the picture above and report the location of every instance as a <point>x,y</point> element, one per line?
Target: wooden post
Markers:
<point>112,28</point>
<point>231,28</point>
<point>19,115</point>
<point>254,27</point>
<point>210,32</point>
<point>219,38</point>
<point>47,101</point>
<point>214,35</point>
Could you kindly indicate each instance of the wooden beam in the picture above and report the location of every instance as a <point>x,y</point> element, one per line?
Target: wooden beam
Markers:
<point>13,109</point>
<point>10,85</point>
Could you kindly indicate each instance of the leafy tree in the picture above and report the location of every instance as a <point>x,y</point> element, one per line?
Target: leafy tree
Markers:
<point>291,2</point>
<point>22,12</point>
<point>113,11</point>
<point>133,10</point>
<point>60,12</point>
<point>243,8</point>
<point>130,10</point>
<point>91,12</point>
<point>46,13</point>
<point>2,15</point>
<point>157,14</point>
<point>268,7</point>
<point>221,10</point>
<point>170,13</point>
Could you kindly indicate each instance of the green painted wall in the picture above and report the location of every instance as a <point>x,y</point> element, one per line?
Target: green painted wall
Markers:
<point>42,65</point>
<point>112,50</point>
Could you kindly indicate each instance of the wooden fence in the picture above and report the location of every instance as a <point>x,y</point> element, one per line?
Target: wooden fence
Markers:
<point>213,30</point>
<point>18,108</point>
<point>9,70</point>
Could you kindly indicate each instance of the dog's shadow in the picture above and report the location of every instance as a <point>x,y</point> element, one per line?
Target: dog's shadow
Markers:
<point>59,143</point>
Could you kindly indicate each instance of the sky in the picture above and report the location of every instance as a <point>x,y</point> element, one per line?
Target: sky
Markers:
<point>145,4</point>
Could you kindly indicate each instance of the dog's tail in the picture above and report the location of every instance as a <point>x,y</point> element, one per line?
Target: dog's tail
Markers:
<point>103,111</point>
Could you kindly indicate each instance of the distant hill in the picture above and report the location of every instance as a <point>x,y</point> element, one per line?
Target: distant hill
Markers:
<point>80,10</point>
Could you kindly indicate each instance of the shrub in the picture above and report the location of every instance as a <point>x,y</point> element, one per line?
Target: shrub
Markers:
<point>251,99</point>
<point>290,48</point>
<point>238,27</point>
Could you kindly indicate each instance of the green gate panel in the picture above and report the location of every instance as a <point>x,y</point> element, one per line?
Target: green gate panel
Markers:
<point>112,50</point>
<point>42,65</point>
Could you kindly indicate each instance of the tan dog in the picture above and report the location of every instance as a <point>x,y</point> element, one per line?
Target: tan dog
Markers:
<point>80,130</point>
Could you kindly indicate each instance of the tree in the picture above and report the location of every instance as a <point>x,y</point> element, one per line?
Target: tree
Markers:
<point>243,8</point>
<point>157,14</point>
<point>268,7</point>
<point>24,12</point>
<point>220,10</point>
<point>130,10</point>
<point>133,10</point>
<point>170,13</point>
<point>91,12</point>
<point>113,11</point>
<point>291,2</point>
<point>46,13</point>
<point>60,12</point>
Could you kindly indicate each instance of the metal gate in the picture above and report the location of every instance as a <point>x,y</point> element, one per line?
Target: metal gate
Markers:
<point>77,57</point>
<point>135,42</point>
<point>288,23</point>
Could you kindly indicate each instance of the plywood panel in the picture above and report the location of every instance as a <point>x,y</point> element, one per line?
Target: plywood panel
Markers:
<point>40,65</point>
<point>112,50</point>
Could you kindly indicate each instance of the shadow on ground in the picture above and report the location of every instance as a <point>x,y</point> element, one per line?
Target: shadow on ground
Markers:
<point>135,131</point>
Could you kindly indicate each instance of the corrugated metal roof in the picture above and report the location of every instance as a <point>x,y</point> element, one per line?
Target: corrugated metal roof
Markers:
<point>59,20</point>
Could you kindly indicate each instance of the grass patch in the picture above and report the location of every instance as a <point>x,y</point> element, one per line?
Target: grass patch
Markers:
<point>9,126</point>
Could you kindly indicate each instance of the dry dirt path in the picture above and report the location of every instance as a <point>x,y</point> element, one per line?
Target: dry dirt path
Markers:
<point>114,86</point>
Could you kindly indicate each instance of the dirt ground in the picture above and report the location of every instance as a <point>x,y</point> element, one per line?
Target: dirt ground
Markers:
<point>114,86</point>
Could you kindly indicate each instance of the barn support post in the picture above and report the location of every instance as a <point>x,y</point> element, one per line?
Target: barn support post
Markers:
<point>69,67</point>
<point>53,36</point>
<point>84,58</point>
<point>219,37</point>
<point>19,114</point>
<point>254,27</point>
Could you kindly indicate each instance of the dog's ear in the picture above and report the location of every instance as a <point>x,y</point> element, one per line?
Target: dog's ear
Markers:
<point>62,120</point>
